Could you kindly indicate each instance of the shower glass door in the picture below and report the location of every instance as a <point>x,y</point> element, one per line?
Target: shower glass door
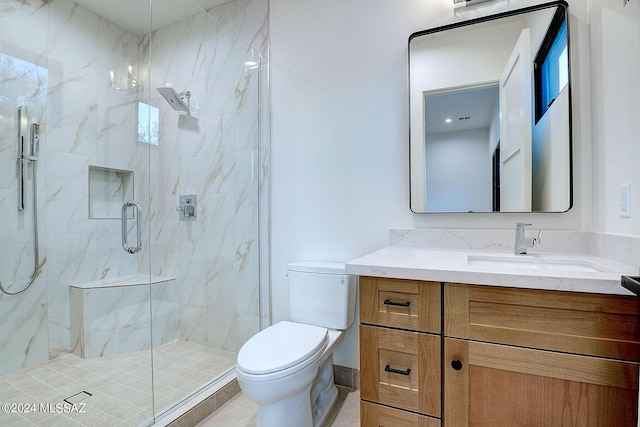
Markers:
<point>129,216</point>
<point>75,345</point>
<point>204,174</point>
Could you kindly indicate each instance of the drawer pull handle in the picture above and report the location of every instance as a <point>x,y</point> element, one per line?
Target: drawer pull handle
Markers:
<point>456,364</point>
<point>397,371</point>
<point>399,304</point>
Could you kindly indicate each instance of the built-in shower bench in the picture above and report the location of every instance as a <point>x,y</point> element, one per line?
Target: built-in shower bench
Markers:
<point>122,314</point>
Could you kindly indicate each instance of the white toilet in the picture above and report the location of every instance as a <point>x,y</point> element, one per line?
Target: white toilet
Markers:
<point>287,369</point>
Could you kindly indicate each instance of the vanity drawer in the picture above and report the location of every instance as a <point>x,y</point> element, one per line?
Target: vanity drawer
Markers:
<point>397,303</point>
<point>400,369</point>
<point>377,415</point>
<point>572,322</point>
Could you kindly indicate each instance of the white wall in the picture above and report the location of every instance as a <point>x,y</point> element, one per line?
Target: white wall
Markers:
<point>615,64</point>
<point>339,133</point>
<point>340,127</point>
<point>458,178</point>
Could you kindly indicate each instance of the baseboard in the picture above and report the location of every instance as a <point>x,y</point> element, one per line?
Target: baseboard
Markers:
<point>207,406</point>
<point>346,377</point>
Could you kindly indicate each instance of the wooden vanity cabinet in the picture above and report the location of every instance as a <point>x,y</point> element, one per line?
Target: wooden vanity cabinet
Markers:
<point>516,357</point>
<point>400,348</point>
<point>495,356</point>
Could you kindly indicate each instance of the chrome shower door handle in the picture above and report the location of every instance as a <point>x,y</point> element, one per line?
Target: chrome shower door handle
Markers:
<point>138,214</point>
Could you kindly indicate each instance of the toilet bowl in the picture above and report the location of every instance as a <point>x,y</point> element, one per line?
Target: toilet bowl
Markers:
<point>280,379</point>
<point>287,369</point>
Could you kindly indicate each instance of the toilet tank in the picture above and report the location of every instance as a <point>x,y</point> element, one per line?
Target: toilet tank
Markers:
<point>321,294</point>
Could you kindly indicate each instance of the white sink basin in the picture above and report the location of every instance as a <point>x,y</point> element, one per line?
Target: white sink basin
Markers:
<point>535,262</point>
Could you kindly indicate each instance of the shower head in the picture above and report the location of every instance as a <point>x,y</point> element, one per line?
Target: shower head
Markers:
<point>175,99</point>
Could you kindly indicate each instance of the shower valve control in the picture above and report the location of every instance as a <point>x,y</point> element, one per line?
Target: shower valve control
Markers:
<point>187,208</point>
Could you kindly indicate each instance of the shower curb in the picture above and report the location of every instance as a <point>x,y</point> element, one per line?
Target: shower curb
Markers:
<point>207,406</point>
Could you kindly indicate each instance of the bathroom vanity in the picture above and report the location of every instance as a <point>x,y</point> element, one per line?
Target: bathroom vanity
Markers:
<point>493,344</point>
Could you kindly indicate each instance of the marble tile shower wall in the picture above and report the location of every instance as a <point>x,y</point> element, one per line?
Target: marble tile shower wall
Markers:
<point>59,68</point>
<point>214,155</point>
<point>21,86</point>
<point>84,122</point>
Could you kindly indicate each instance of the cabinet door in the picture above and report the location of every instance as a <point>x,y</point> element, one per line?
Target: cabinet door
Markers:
<point>498,385</point>
<point>400,369</point>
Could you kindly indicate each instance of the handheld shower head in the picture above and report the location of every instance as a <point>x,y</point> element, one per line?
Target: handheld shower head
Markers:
<point>175,99</point>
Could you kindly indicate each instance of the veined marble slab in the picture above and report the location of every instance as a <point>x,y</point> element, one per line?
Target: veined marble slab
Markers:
<point>129,280</point>
<point>452,265</point>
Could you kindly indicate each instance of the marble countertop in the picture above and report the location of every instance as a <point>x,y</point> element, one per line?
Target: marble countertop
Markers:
<point>453,265</point>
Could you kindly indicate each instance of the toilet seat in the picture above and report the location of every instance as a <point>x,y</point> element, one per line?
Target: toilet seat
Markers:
<point>280,347</point>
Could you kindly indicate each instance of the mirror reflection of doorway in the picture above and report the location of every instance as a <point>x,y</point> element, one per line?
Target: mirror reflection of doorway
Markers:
<point>460,124</point>
<point>495,177</point>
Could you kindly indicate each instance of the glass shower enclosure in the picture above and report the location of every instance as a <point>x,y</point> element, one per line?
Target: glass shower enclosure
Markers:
<point>131,211</point>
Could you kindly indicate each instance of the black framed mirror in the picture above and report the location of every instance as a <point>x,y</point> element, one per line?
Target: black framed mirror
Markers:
<point>490,114</point>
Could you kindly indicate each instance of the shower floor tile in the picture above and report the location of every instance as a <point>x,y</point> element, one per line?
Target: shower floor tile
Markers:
<point>120,386</point>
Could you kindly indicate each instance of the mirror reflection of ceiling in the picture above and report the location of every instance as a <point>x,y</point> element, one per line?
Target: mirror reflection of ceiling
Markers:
<point>465,109</point>
<point>133,15</point>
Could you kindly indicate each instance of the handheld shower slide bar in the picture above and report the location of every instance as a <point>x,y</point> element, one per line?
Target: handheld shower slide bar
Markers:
<point>28,147</point>
<point>23,159</point>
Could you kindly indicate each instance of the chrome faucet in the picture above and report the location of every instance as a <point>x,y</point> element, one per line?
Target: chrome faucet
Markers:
<point>523,242</point>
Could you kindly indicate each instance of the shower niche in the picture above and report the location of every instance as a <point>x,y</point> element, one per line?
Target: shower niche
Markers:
<point>108,190</point>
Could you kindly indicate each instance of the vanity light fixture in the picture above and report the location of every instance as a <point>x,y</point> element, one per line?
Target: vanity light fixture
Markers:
<point>469,2</point>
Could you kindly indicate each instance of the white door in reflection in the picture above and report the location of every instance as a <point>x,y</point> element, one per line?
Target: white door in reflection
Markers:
<point>515,134</point>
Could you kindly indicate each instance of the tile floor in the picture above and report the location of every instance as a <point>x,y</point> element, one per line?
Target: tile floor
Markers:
<point>120,385</point>
<point>241,412</point>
